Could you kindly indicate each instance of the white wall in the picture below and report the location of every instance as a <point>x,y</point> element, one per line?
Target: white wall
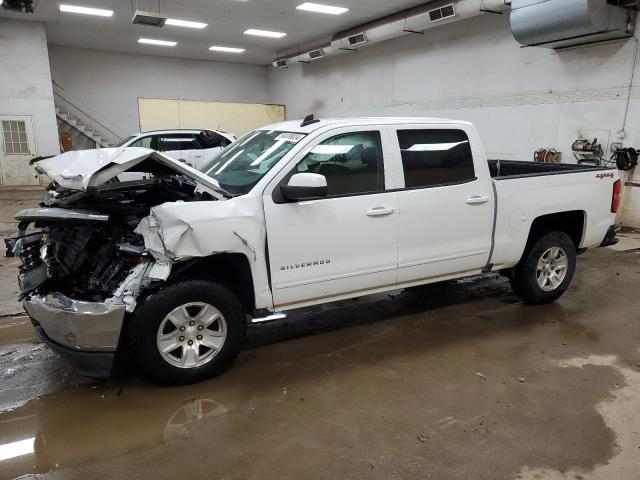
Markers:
<point>521,99</point>
<point>110,83</point>
<point>25,82</point>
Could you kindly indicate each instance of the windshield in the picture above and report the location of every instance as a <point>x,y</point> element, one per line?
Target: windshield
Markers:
<point>240,166</point>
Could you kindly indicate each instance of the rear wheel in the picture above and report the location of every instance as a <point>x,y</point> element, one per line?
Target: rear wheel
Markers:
<point>546,269</point>
<point>187,332</point>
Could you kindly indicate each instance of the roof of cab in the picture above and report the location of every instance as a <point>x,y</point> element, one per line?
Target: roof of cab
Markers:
<point>294,125</point>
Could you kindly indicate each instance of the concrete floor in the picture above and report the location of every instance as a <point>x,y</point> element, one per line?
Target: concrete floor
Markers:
<point>451,381</point>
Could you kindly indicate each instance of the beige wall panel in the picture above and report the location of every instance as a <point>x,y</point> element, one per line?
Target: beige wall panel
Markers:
<point>237,118</point>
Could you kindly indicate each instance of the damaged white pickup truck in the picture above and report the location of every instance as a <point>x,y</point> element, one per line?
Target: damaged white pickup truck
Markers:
<point>172,268</point>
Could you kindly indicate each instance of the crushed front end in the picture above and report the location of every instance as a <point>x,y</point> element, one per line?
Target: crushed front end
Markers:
<point>83,265</point>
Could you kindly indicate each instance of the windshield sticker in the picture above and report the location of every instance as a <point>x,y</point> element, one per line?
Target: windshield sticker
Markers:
<point>291,137</point>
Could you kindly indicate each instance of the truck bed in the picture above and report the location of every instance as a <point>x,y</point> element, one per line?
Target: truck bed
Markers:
<point>504,169</point>
<point>525,191</point>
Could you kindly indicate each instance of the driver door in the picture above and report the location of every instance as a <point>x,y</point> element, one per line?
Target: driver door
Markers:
<point>342,244</point>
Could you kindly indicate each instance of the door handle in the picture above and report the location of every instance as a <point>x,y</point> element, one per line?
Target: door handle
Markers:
<point>477,200</point>
<point>380,212</point>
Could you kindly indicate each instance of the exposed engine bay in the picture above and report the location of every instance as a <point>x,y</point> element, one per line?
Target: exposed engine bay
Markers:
<point>115,223</point>
<point>82,243</point>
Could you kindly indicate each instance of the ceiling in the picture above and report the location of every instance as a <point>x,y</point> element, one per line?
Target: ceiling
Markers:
<point>227,20</point>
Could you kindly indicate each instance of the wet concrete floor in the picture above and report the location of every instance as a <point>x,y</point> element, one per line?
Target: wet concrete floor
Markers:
<point>451,381</point>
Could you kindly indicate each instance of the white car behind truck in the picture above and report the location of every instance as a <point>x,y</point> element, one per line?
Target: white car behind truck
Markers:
<point>170,270</point>
<point>195,147</point>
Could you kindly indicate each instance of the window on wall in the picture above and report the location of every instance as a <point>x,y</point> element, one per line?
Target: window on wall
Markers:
<point>352,163</point>
<point>435,157</point>
<point>14,133</point>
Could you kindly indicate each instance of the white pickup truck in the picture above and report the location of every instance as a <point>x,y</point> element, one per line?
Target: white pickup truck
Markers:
<point>170,270</point>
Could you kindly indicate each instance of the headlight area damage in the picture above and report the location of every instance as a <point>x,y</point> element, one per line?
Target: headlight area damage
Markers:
<point>83,263</point>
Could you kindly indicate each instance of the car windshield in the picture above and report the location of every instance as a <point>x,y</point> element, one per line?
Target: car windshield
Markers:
<point>125,141</point>
<point>240,166</point>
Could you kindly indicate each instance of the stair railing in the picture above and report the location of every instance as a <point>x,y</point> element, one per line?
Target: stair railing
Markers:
<point>85,116</point>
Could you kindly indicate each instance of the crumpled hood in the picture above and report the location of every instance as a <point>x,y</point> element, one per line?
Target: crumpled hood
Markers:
<point>83,169</point>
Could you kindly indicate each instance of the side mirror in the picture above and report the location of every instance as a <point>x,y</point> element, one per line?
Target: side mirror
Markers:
<point>305,186</point>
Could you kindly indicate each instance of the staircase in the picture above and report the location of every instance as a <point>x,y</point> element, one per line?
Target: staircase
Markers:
<point>82,120</point>
<point>89,132</point>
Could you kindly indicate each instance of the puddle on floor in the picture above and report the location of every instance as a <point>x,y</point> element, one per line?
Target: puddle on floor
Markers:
<point>620,414</point>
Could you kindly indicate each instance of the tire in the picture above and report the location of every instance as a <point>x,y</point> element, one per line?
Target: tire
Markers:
<point>539,278</point>
<point>182,310</point>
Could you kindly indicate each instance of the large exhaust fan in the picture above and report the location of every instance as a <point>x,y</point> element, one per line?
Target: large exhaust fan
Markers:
<point>568,23</point>
<point>23,6</point>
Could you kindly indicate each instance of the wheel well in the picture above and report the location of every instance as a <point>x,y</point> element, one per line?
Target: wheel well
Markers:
<point>229,269</point>
<point>572,223</point>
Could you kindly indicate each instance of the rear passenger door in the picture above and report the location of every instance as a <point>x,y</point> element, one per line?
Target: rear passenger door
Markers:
<point>446,215</point>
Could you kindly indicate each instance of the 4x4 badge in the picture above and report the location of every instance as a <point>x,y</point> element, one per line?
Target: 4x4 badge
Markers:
<point>600,176</point>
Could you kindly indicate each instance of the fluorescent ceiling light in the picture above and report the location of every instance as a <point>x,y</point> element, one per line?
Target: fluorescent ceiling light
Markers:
<point>85,10</point>
<point>319,8</point>
<point>17,449</point>
<point>226,49</point>
<point>162,43</point>
<point>264,33</point>
<point>184,23</point>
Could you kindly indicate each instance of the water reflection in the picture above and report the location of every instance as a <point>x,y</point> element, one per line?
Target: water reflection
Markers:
<point>192,412</point>
<point>61,432</point>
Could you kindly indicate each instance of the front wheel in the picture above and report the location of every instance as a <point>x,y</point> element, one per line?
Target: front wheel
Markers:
<point>187,332</point>
<point>546,269</point>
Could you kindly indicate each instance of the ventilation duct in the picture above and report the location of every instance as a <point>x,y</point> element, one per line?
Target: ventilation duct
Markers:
<point>357,39</point>
<point>315,54</point>
<point>150,19</point>
<point>442,13</point>
<point>411,21</point>
<point>568,23</point>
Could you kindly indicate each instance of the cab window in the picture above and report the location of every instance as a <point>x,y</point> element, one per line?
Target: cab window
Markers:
<point>177,141</point>
<point>352,163</point>
<point>150,141</point>
<point>435,157</point>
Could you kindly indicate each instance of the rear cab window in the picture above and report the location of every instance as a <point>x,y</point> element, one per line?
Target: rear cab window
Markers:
<point>435,157</point>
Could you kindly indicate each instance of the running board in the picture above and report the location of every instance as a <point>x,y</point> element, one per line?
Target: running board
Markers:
<point>270,318</point>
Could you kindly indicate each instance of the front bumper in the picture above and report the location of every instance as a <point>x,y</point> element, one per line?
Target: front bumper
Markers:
<point>89,364</point>
<point>86,333</point>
